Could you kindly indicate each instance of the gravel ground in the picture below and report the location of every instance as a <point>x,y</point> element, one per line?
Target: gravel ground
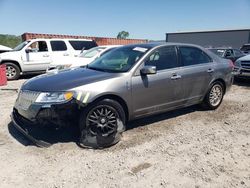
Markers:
<point>183,148</point>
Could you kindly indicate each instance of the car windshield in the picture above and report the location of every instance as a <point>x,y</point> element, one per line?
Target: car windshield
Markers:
<point>92,52</point>
<point>20,46</point>
<point>118,60</point>
<point>218,52</point>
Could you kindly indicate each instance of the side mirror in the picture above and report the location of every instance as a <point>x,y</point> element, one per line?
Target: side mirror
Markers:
<point>148,70</point>
<point>28,50</point>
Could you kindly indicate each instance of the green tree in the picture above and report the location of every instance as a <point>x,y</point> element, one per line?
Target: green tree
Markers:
<point>123,35</point>
<point>10,40</point>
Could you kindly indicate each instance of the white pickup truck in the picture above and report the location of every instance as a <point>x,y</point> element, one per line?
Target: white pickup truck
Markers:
<point>34,56</point>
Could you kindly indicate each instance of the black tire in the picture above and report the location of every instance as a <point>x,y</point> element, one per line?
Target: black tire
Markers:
<point>12,71</point>
<point>101,124</point>
<point>214,96</point>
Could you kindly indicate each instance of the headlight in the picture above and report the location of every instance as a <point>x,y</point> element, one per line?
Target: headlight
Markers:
<point>60,67</point>
<point>56,97</point>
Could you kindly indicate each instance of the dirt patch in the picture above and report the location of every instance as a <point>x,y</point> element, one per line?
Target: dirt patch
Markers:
<point>140,167</point>
<point>183,148</point>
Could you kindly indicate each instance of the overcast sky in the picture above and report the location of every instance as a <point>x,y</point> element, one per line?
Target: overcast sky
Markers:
<point>149,19</point>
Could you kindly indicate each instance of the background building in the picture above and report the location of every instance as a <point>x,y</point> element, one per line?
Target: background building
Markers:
<point>222,38</point>
<point>98,40</point>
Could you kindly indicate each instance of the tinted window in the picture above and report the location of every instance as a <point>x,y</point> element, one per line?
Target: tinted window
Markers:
<point>193,56</point>
<point>238,53</point>
<point>229,53</point>
<point>245,47</point>
<point>79,45</point>
<point>219,52</point>
<point>38,46</point>
<point>58,45</point>
<point>163,58</point>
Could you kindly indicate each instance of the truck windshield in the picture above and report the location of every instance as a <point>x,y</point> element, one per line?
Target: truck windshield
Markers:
<point>20,46</point>
<point>92,52</point>
<point>118,60</point>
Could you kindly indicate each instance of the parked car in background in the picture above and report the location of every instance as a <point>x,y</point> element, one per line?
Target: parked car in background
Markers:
<point>127,83</point>
<point>4,49</point>
<point>228,53</point>
<point>83,59</point>
<point>242,67</point>
<point>245,48</point>
<point>34,56</point>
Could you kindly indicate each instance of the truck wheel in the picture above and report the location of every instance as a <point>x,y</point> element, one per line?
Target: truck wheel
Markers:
<point>214,96</point>
<point>12,71</point>
<point>101,124</point>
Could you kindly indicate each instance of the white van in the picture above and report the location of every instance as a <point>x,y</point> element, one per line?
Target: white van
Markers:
<point>34,56</point>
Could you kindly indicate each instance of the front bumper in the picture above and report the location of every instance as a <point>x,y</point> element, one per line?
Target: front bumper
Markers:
<point>31,122</point>
<point>241,72</point>
<point>25,131</point>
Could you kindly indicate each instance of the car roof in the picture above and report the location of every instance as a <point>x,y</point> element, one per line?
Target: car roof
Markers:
<point>221,48</point>
<point>156,44</point>
<point>109,46</point>
<point>48,39</point>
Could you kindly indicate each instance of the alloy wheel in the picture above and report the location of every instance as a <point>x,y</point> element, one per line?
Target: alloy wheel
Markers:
<point>216,95</point>
<point>102,120</point>
<point>10,72</point>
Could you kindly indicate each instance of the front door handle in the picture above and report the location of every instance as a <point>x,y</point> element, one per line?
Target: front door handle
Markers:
<point>176,77</point>
<point>46,55</point>
<point>210,70</point>
<point>66,54</point>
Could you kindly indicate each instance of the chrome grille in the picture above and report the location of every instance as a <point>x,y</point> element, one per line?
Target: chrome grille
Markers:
<point>26,98</point>
<point>245,64</point>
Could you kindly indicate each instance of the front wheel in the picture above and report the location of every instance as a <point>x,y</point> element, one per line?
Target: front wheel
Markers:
<point>101,124</point>
<point>214,96</point>
<point>12,71</point>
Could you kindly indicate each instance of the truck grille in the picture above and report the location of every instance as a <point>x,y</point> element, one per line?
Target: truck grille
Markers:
<point>245,64</point>
<point>26,98</point>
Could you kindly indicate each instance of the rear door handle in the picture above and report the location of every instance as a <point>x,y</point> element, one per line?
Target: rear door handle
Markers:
<point>176,77</point>
<point>66,54</point>
<point>210,70</point>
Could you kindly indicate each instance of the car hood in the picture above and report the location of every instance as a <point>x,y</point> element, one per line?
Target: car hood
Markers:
<point>66,79</point>
<point>8,54</point>
<point>244,58</point>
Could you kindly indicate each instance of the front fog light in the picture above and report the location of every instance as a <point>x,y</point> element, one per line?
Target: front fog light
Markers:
<point>54,97</point>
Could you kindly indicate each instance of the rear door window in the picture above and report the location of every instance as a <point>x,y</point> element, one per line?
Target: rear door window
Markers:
<point>193,56</point>
<point>58,45</point>
<point>163,58</point>
<point>82,45</point>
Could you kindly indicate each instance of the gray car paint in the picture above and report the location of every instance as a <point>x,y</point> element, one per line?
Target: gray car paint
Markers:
<point>143,94</point>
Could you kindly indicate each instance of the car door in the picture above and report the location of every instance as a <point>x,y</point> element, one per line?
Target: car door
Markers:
<point>36,56</point>
<point>60,52</point>
<point>157,92</point>
<point>196,73</point>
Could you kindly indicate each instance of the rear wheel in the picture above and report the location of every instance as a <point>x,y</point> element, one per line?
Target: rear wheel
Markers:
<point>214,96</point>
<point>12,71</point>
<point>101,124</point>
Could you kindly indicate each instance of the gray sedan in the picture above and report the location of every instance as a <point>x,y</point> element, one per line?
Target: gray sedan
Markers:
<point>127,83</point>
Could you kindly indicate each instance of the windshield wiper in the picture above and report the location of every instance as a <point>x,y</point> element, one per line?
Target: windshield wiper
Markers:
<point>94,68</point>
